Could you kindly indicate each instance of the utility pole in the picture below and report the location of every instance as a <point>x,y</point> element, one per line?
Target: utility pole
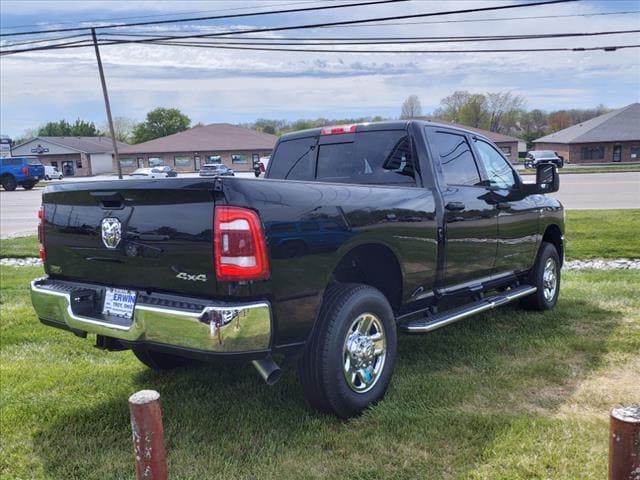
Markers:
<point>106,103</point>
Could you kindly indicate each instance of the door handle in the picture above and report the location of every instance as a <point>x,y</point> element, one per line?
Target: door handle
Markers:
<point>454,206</point>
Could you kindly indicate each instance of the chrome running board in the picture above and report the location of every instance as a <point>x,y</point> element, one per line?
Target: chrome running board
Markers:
<point>438,320</point>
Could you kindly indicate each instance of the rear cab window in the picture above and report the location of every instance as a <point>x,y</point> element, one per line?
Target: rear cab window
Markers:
<point>377,157</point>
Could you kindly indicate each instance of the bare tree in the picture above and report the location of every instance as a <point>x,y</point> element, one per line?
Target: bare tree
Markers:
<point>122,127</point>
<point>411,107</point>
<point>503,109</point>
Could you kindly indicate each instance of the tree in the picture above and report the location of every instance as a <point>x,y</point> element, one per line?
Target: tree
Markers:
<point>559,120</point>
<point>503,109</point>
<point>474,112</point>
<point>122,127</point>
<point>27,135</point>
<point>63,128</point>
<point>451,106</point>
<point>160,122</point>
<point>411,107</point>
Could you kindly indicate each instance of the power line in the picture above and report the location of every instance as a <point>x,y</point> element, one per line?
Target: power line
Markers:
<point>608,48</point>
<point>266,41</point>
<point>318,25</point>
<point>43,40</point>
<point>99,20</point>
<point>474,20</point>
<point>212,17</point>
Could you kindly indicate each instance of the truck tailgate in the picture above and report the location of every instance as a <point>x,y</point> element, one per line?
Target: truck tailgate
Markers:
<point>144,234</point>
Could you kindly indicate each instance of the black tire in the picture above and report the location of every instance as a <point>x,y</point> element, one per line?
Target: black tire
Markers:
<point>543,299</point>
<point>256,173</point>
<point>321,365</point>
<point>47,177</point>
<point>28,186</point>
<point>9,183</point>
<point>160,360</point>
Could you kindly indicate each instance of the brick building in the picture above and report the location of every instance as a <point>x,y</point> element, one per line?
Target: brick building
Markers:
<point>233,146</point>
<point>73,156</point>
<point>612,137</point>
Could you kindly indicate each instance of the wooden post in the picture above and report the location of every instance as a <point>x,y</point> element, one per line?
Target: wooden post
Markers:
<point>624,443</point>
<point>107,104</point>
<point>148,435</point>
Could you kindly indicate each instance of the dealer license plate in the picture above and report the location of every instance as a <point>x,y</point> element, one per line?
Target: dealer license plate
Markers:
<point>119,302</point>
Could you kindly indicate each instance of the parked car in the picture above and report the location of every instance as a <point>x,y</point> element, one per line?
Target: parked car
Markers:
<point>216,170</point>
<point>537,157</point>
<point>20,171</point>
<point>51,173</point>
<point>396,226</point>
<point>155,172</point>
<point>260,166</point>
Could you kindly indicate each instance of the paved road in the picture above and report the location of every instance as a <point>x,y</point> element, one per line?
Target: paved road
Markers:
<point>18,209</point>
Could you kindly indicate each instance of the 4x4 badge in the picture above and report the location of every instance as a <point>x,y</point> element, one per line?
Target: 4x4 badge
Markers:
<point>111,232</point>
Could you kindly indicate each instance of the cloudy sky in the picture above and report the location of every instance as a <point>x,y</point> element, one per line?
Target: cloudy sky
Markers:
<point>240,86</point>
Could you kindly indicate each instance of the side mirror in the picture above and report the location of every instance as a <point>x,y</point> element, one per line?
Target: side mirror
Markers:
<point>547,178</point>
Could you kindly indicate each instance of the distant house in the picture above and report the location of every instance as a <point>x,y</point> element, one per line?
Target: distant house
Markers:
<point>73,156</point>
<point>508,145</point>
<point>612,137</point>
<point>236,147</point>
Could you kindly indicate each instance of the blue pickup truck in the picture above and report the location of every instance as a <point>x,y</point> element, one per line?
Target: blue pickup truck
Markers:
<point>23,171</point>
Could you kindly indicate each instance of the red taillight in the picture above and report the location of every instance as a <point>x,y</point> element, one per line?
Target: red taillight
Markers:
<point>240,249</point>
<point>338,130</point>
<point>25,170</point>
<point>43,251</point>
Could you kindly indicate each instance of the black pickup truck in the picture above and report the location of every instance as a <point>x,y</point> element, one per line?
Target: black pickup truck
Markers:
<point>357,232</point>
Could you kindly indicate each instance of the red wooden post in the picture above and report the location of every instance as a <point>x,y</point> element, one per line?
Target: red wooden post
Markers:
<point>624,443</point>
<point>148,435</point>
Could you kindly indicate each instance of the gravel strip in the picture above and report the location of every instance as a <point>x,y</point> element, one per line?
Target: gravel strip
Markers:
<point>597,264</point>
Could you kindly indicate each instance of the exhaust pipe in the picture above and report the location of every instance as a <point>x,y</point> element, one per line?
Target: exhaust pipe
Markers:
<point>268,370</point>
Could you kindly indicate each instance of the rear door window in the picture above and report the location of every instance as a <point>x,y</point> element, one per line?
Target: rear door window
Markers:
<point>374,158</point>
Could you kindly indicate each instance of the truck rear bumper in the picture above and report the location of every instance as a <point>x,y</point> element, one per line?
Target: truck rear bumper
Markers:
<point>193,324</point>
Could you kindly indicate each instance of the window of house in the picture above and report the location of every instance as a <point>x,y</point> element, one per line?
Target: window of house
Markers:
<point>499,172</point>
<point>79,163</point>
<point>506,150</point>
<point>238,158</point>
<point>458,165</point>
<point>214,159</point>
<point>127,162</point>
<point>635,153</point>
<point>54,164</point>
<point>155,162</point>
<point>182,161</point>
<point>592,153</point>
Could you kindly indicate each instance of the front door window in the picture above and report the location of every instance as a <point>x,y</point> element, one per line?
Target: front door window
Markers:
<point>67,169</point>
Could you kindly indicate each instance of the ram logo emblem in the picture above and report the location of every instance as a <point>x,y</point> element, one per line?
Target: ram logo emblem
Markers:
<point>111,232</point>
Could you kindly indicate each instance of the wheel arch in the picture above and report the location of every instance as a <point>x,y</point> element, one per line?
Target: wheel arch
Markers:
<point>553,235</point>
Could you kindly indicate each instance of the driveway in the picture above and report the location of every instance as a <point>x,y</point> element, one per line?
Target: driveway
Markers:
<point>19,209</point>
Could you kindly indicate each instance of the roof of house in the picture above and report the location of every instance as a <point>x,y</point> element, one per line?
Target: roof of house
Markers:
<point>80,144</point>
<point>214,137</point>
<point>617,126</point>
<point>493,136</point>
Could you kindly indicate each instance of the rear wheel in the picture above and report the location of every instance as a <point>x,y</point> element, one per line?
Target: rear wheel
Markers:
<point>28,186</point>
<point>348,362</point>
<point>160,360</point>
<point>9,183</point>
<point>545,275</point>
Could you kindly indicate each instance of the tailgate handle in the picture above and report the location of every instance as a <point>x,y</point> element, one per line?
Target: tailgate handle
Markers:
<point>109,200</point>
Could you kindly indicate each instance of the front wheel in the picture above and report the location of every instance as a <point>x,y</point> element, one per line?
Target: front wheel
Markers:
<point>9,183</point>
<point>545,275</point>
<point>348,363</point>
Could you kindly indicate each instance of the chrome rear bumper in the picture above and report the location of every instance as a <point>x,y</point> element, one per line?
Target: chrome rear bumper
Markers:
<point>183,322</point>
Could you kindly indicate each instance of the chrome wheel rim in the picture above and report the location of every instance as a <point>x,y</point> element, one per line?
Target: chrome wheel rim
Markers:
<point>364,353</point>
<point>549,279</point>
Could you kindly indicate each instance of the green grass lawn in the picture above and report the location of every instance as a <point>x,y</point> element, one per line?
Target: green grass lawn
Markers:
<point>505,395</point>
<point>590,234</point>
<point>607,168</point>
